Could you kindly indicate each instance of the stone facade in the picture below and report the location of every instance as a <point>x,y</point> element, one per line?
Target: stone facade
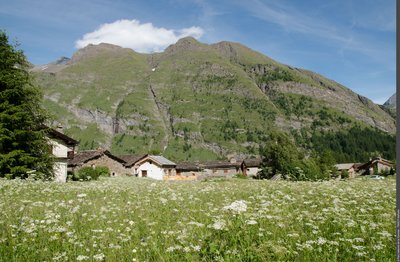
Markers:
<point>187,175</point>
<point>221,172</point>
<point>116,168</point>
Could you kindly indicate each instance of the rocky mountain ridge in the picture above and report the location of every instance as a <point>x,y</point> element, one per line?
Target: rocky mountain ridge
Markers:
<point>195,100</point>
<point>391,102</point>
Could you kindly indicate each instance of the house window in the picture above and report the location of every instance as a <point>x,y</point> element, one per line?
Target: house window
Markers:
<point>144,173</point>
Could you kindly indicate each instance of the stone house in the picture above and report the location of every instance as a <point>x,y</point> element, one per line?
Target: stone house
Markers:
<point>100,157</point>
<point>349,167</point>
<point>189,171</point>
<point>62,148</point>
<point>156,167</point>
<point>130,161</point>
<point>250,167</point>
<point>378,165</point>
<point>221,168</point>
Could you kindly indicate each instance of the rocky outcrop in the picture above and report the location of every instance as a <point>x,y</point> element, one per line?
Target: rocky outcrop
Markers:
<point>391,102</point>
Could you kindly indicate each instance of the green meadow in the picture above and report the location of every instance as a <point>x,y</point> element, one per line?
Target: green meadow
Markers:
<point>132,219</point>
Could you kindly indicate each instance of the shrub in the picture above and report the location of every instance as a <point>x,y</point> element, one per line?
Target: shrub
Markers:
<point>241,176</point>
<point>86,174</point>
<point>386,172</point>
<point>344,174</point>
<point>102,170</point>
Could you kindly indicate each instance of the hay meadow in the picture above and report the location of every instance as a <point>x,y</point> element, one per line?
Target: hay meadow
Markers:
<point>132,219</point>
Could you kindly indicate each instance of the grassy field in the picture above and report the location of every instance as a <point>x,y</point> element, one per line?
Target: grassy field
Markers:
<point>131,219</point>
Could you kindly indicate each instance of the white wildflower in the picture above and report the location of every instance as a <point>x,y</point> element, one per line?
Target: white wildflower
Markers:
<point>218,225</point>
<point>99,257</point>
<point>81,258</point>
<point>251,222</point>
<point>238,206</point>
<point>321,241</point>
<point>196,224</point>
<point>196,248</point>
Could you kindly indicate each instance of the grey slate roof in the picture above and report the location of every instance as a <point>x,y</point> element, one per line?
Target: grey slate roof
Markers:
<point>162,160</point>
<point>252,162</point>
<point>130,160</point>
<point>219,164</point>
<point>85,156</point>
<point>345,166</point>
<point>188,166</point>
<point>51,132</point>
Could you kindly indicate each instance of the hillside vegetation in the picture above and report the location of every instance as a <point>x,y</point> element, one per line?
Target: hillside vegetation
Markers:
<point>196,101</point>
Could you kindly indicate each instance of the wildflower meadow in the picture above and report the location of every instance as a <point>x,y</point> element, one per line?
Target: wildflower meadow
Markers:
<point>133,219</point>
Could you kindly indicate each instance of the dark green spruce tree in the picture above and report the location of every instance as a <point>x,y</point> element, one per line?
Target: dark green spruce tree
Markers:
<point>23,144</point>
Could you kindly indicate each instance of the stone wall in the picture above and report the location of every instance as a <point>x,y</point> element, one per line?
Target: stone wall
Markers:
<point>221,172</point>
<point>382,167</point>
<point>116,168</point>
<point>186,175</point>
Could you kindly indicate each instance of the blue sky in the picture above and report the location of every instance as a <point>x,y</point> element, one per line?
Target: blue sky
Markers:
<point>351,42</point>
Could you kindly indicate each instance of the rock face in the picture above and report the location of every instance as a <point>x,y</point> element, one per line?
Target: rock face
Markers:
<point>194,99</point>
<point>391,102</point>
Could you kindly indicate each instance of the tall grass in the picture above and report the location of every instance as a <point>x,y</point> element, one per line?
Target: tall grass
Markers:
<point>132,219</point>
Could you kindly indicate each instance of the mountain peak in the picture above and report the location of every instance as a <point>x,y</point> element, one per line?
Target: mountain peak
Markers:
<point>185,44</point>
<point>92,50</point>
<point>391,102</point>
<point>61,61</point>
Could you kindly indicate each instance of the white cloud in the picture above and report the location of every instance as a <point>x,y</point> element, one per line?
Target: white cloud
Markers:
<point>140,37</point>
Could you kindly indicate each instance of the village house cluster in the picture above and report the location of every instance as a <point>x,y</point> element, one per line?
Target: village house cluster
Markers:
<point>156,167</point>
<point>160,168</point>
<point>375,165</point>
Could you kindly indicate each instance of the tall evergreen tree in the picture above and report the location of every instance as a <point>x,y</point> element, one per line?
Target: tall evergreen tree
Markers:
<point>23,144</point>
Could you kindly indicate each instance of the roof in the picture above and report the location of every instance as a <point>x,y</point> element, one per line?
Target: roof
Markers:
<point>344,166</point>
<point>252,162</point>
<point>162,160</point>
<point>56,134</point>
<point>187,166</point>
<point>130,160</point>
<point>219,164</point>
<point>85,156</point>
<point>376,160</point>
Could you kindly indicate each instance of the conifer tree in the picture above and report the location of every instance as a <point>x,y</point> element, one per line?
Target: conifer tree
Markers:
<point>23,144</point>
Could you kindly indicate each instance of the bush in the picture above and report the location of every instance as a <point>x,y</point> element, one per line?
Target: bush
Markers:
<point>240,176</point>
<point>102,170</point>
<point>387,172</point>
<point>86,174</point>
<point>344,174</point>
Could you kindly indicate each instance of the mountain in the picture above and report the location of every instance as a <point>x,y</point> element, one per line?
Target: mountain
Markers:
<point>390,106</point>
<point>391,102</point>
<point>52,67</point>
<point>197,101</point>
